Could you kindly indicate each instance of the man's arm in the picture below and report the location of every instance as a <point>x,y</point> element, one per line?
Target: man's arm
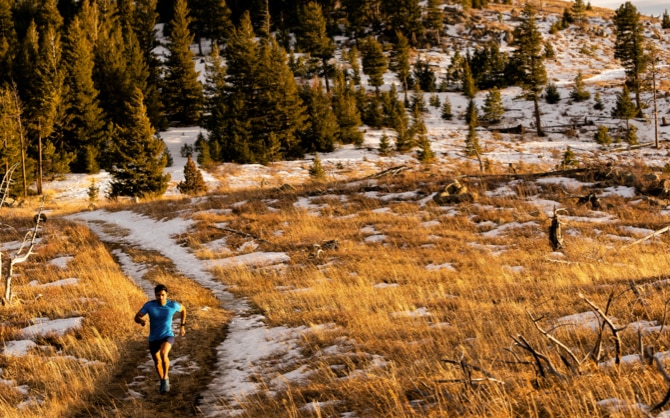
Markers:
<point>141,318</point>
<point>182,328</point>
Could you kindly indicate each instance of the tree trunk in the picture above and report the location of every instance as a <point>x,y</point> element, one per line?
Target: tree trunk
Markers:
<point>538,121</point>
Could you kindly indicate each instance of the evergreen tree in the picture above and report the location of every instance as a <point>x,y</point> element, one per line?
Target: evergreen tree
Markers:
<point>549,52</point>
<point>629,46</point>
<point>665,22</point>
<point>446,109</point>
<point>599,102</point>
<point>579,92</point>
<point>8,41</point>
<point>493,106</point>
<point>551,94</point>
<point>425,154</point>
<point>403,139</point>
<point>352,57</point>
<point>471,114</point>
<point>316,171</point>
<point>602,136</point>
<point>468,82</point>
<point>631,135</point>
<point>193,183</point>
<point>85,132</point>
<point>313,37</point>
<point>472,147</point>
<point>212,20</point>
<point>183,91</point>
<point>145,30</point>
<point>528,60</point>
<point>321,134</point>
<point>404,16</point>
<point>569,160</point>
<point>455,69</point>
<point>384,145</point>
<point>11,129</point>
<point>110,75</point>
<point>624,107</point>
<point>425,77</point>
<point>434,101</point>
<point>139,157</point>
<point>346,110</point>
<point>434,19</point>
<point>579,12</point>
<point>374,62</point>
<point>399,62</point>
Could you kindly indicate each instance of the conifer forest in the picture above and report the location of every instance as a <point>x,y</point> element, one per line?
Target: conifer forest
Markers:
<point>89,85</point>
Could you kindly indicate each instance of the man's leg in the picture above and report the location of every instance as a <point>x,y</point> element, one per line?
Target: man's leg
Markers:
<point>164,359</point>
<point>154,349</point>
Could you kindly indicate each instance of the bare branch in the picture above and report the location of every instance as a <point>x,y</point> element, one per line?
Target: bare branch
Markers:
<point>610,324</point>
<point>539,357</point>
<point>557,342</point>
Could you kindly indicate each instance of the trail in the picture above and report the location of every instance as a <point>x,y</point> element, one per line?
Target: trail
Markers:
<point>230,375</point>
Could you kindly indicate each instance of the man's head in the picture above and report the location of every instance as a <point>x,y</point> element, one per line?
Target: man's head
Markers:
<point>161,292</point>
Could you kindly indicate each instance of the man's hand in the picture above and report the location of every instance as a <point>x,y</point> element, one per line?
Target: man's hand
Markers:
<point>140,319</point>
<point>182,331</point>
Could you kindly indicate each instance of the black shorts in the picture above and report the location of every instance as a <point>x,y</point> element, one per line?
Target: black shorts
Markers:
<point>155,346</point>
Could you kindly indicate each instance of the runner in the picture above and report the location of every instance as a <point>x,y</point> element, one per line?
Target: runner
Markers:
<point>161,338</point>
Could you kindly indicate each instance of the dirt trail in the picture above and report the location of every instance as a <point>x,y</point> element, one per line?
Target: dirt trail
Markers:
<point>133,389</point>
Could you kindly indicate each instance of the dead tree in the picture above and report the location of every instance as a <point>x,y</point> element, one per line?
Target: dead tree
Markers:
<point>22,254</point>
<point>555,232</point>
<point>6,184</point>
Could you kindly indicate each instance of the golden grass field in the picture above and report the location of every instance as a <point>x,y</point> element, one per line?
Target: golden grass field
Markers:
<point>410,341</point>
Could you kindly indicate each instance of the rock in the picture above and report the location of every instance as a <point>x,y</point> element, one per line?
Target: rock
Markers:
<point>454,192</point>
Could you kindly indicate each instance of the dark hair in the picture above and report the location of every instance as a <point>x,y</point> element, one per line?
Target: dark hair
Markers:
<point>160,287</point>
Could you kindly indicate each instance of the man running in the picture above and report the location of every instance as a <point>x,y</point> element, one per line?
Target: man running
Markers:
<point>161,337</point>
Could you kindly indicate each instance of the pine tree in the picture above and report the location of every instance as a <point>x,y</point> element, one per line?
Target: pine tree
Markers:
<point>602,136</point>
<point>313,37</point>
<point>665,22</point>
<point>193,183</point>
<point>599,102</point>
<point>183,91</point>
<point>528,60</point>
<point>446,109</point>
<point>316,171</point>
<point>551,94</point>
<point>425,77</point>
<point>212,20</point>
<point>629,46</point>
<point>145,20</point>
<point>569,160</point>
<point>321,134</point>
<point>139,157</point>
<point>434,19</point>
<point>579,92</point>
<point>10,128</point>
<point>374,63</point>
<point>425,154</point>
<point>399,62</point>
<point>85,132</point>
<point>346,110</point>
<point>579,12</point>
<point>472,147</point>
<point>493,106</point>
<point>384,145</point>
<point>353,59</point>
<point>624,107</point>
<point>8,41</point>
<point>468,82</point>
<point>403,15</point>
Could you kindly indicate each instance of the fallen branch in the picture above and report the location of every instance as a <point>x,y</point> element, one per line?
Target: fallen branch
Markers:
<point>392,171</point>
<point>553,339</point>
<point>652,235</point>
<point>539,358</point>
<point>244,234</point>
<point>610,324</point>
<point>664,373</point>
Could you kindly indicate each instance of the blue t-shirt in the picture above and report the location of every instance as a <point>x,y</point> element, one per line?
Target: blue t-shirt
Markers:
<point>160,318</point>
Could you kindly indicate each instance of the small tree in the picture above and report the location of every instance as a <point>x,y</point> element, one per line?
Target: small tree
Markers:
<point>446,109</point>
<point>425,154</point>
<point>551,94</point>
<point>493,106</point>
<point>602,136</point>
<point>631,135</point>
<point>599,102</point>
<point>665,22</point>
<point>569,160</point>
<point>579,92</point>
<point>193,183</point>
<point>384,145</point>
<point>316,171</point>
